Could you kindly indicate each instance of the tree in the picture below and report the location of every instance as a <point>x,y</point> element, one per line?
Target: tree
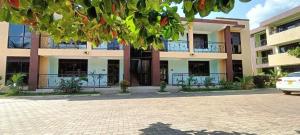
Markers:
<point>136,22</point>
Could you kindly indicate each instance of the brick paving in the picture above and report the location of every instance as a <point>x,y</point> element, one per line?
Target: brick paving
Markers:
<point>233,113</point>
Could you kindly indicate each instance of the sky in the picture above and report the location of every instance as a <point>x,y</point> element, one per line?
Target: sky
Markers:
<point>256,10</point>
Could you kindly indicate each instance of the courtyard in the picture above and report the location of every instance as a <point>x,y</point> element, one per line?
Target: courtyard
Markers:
<point>240,112</point>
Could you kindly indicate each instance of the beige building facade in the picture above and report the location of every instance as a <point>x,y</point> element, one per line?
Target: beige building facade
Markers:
<point>217,48</point>
<point>272,40</point>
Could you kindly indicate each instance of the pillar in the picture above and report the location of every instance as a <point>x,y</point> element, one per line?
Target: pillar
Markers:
<point>155,68</point>
<point>228,46</point>
<point>191,37</point>
<point>127,63</point>
<point>34,62</point>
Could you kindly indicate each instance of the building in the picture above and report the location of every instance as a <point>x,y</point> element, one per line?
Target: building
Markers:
<point>217,48</point>
<point>271,41</point>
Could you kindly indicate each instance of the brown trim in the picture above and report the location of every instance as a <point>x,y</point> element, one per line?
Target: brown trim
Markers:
<point>34,62</point>
<point>213,21</point>
<point>228,46</point>
<point>155,64</point>
<point>127,63</point>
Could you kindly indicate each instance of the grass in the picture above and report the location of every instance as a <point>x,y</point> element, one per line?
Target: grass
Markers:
<point>48,94</point>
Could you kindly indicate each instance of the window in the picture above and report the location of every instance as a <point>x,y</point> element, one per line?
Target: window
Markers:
<point>70,44</point>
<point>287,26</point>
<point>72,67</point>
<point>236,42</point>
<point>291,68</point>
<point>17,65</point>
<point>200,41</point>
<point>263,39</point>
<point>237,67</point>
<point>199,68</point>
<point>19,36</point>
<point>286,48</point>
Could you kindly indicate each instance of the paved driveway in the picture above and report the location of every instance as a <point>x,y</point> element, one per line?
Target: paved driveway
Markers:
<point>267,112</point>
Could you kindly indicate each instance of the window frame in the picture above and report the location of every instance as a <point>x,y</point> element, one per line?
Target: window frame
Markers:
<point>233,45</point>
<point>200,71</point>
<point>63,62</point>
<point>23,37</point>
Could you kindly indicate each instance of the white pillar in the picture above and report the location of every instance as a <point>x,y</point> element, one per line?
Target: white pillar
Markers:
<point>191,38</point>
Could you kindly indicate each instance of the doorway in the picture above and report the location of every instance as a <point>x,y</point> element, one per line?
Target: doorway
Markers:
<point>164,76</point>
<point>113,72</point>
<point>140,72</point>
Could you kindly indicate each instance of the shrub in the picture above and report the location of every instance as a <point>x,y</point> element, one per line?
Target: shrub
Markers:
<point>15,84</point>
<point>246,82</point>
<point>261,81</point>
<point>72,85</point>
<point>274,76</point>
<point>124,86</point>
<point>227,85</point>
<point>187,85</point>
<point>208,82</point>
<point>163,86</point>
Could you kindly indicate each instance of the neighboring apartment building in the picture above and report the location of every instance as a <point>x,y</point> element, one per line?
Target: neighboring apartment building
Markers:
<point>218,48</point>
<point>271,41</point>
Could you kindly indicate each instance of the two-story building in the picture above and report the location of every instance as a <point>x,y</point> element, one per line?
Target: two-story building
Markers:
<point>217,48</point>
<point>271,41</point>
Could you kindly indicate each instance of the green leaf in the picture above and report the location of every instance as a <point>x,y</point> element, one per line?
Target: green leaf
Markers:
<point>188,5</point>
<point>5,15</point>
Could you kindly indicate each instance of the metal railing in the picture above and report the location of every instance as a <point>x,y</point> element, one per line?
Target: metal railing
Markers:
<point>47,42</point>
<point>93,80</point>
<point>262,42</point>
<point>114,45</point>
<point>176,46</point>
<point>179,78</point>
<point>211,47</point>
<point>262,60</point>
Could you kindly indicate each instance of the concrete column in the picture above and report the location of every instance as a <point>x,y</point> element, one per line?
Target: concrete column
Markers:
<point>191,37</point>
<point>155,68</point>
<point>2,69</point>
<point>89,46</point>
<point>127,63</point>
<point>34,62</point>
<point>228,46</point>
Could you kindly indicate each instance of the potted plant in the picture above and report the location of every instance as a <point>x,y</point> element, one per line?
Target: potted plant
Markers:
<point>162,88</point>
<point>124,86</point>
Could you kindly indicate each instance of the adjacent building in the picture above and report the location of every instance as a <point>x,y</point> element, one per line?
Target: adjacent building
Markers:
<point>217,48</point>
<point>271,41</point>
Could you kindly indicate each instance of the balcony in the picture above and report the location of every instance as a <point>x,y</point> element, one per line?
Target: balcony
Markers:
<point>176,46</point>
<point>262,60</point>
<point>47,42</point>
<point>210,47</point>
<point>262,42</point>
<point>284,36</point>
<point>114,45</point>
<point>283,59</point>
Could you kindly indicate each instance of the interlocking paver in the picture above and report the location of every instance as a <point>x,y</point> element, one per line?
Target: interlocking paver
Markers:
<point>175,114</point>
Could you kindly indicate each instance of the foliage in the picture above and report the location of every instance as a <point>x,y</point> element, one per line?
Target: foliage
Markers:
<point>163,86</point>
<point>261,81</point>
<point>208,82</point>
<point>246,82</point>
<point>187,85</point>
<point>72,85</point>
<point>136,22</point>
<point>295,52</point>
<point>124,86</point>
<point>227,85</point>
<point>15,84</point>
<point>275,75</point>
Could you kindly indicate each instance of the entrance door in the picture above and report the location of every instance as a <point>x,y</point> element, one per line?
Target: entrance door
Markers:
<point>113,72</point>
<point>164,71</point>
<point>140,70</point>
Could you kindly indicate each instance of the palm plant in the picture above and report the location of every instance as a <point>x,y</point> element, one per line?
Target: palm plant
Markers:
<point>246,82</point>
<point>275,75</point>
<point>15,84</point>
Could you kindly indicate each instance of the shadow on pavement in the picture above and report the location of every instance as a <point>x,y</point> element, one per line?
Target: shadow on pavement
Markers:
<point>165,129</point>
<point>149,95</point>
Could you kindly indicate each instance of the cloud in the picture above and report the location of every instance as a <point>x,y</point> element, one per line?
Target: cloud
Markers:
<point>270,8</point>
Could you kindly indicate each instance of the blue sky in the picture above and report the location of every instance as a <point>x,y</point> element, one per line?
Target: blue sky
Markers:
<point>256,10</point>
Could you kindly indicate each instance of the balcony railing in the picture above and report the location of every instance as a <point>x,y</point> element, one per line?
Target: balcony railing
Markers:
<point>93,80</point>
<point>211,47</point>
<point>262,42</point>
<point>114,45</point>
<point>262,60</point>
<point>47,42</point>
<point>179,78</point>
<point>176,46</point>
